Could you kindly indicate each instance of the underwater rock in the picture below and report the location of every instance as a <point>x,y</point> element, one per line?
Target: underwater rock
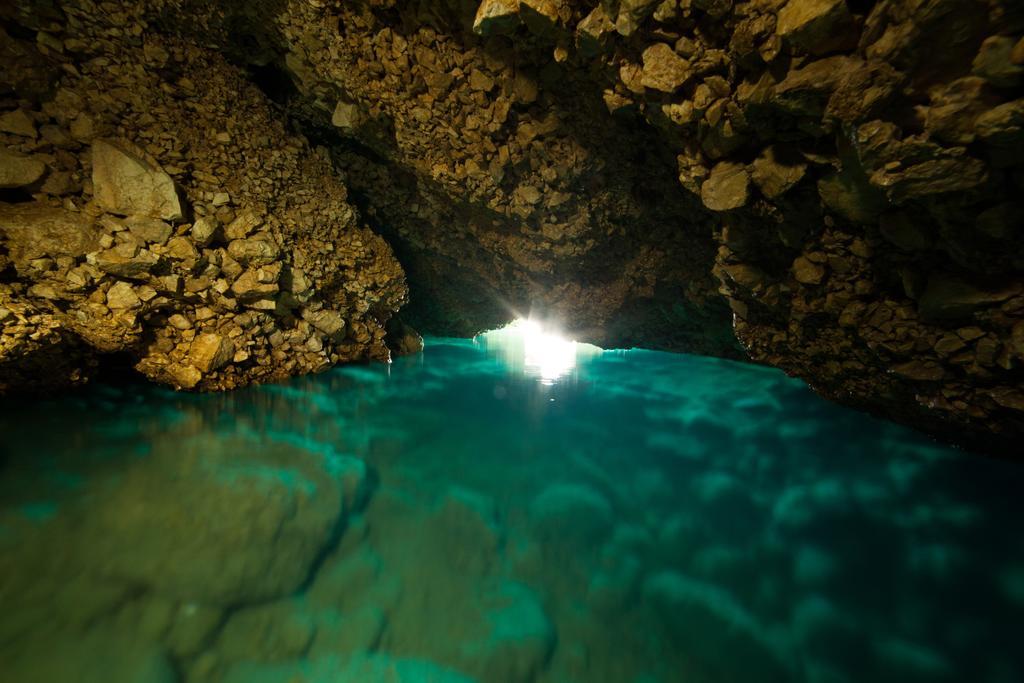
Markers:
<point>215,521</point>
<point>377,667</point>
<point>571,513</point>
<point>718,630</point>
<point>94,657</point>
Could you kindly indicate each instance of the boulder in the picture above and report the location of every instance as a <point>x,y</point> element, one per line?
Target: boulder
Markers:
<point>728,187</point>
<point>258,250</point>
<point>18,170</point>
<point>816,26</point>
<point>210,352</point>
<point>496,17</point>
<point>126,261</point>
<point>127,183</point>
<point>664,70</point>
<point>149,229</point>
<point>215,520</point>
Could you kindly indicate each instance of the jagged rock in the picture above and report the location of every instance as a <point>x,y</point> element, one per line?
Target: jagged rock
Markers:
<point>126,183</point>
<point>329,322</point>
<point>259,250</point>
<point>245,223</point>
<point>203,230</point>
<point>807,272</point>
<point>949,299</point>
<point>664,70</point>
<point>210,352</point>
<point>1002,130</point>
<point>727,188</point>
<point>149,229</point>
<point>591,33</point>
<point>496,17</point>
<point>632,13</point>
<point>17,122</point>
<point>33,231</point>
<point>347,115</point>
<point>126,261</point>
<point>816,26</point>
<point>954,109</point>
<point>121,296</point>
<point>777,170</point>
<point>18,170</point>
<point>249,288</point>
<point>995,64</point>
<point>539,16</point>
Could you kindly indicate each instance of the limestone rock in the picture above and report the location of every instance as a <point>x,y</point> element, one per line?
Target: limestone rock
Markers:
<point>776,171</point>
<point>125,261</point>
<point>149,229</point>
<point>727,188</point>
<point>593,30</point>
<point>632,13</point>
<point>347,115</point>
<point>18,170</point>
<point>995,64</point>
<point>121,295</point>
<point>540,16</point>
<point>815,26</point>
<point>126,183</point>
<point>17,122</point>
<point>947,298</point>
<point>210,352</point>
<point>203,230</point>
<point>496,17</point>
<point>807,272</point>
<point>664,70</point>
<point>256,251</point>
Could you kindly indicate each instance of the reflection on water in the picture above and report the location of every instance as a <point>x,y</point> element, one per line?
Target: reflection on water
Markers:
<point>482,513</point>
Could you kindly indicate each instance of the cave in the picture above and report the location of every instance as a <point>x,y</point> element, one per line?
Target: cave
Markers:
<point>511,341</point>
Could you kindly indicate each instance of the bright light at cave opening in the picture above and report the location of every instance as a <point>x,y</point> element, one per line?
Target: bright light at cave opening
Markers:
<point>538,349</point>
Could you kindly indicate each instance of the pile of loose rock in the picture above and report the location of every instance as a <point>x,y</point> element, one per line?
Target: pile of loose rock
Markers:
<point>161,209</point>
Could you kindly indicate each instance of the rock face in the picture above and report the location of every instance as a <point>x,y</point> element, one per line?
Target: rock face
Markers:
<point>804,176</point>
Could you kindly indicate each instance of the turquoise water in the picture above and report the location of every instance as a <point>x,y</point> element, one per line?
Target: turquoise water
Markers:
<point>493,512</point>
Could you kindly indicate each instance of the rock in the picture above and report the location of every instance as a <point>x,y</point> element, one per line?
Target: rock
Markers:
<point>203,230</point>
<point>149,229</point>
<point>994,63</point>
<point>718,630</point>
<point>1002,130</point>
<point>347,115</point>
<point>807,272</point>
<point>375,667</point>
<point>947,298</point>
<point>126,183</point>
<point>125,261</point>
<point>17,122</point>
<point>954,109</point>
<point>91,657</point>
<point>664,70</point>
<point>248,287</point>
<point>245,223</point>
<point>496,17</point>
<point>777,170</point>
<point>257,251</point>
<point>632,13</point>
<point>330,323</point>
<point>210,352</point>
<point>571,513</point>
<point>121,296</point>
<point>34,230</point>
<point>18,170</point>
<point>266,633</point>
<point>815,26</point>
<point>184,376</point>
<point>728,187</point>
<point>539,16</point>
<point>592,32</point>
<point>214,520</point>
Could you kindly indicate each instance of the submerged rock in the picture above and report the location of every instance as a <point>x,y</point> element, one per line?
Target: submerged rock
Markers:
<point>379,668</point>
<point>215,520</point>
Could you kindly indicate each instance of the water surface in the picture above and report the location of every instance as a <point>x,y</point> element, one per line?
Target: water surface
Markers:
<point>498,511</point>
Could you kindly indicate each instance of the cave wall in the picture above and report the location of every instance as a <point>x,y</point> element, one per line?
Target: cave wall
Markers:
<point>829,182</point>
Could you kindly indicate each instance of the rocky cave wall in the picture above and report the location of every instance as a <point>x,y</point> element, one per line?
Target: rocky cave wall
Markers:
<point>834,180</point>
